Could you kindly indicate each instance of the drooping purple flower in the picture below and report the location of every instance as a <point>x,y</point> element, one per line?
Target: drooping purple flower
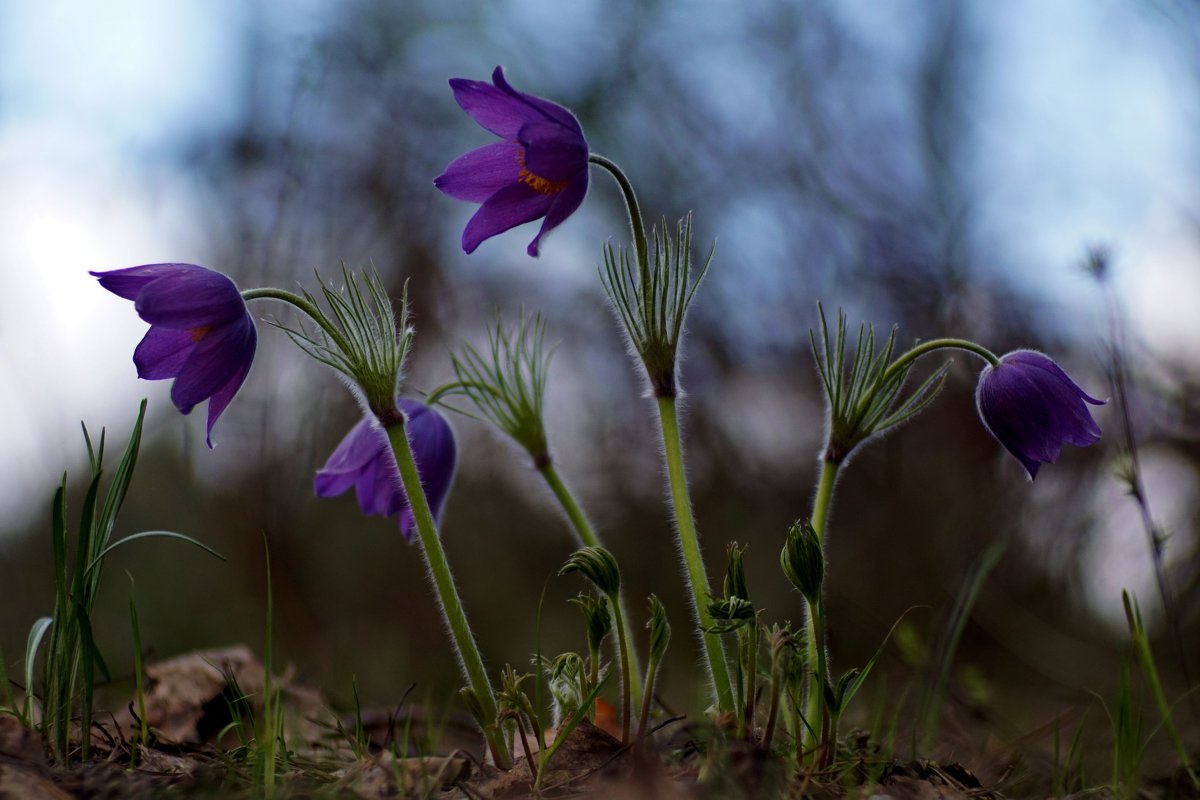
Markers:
<point>364,461</point>
<point>1032,407</point>
<point>540,169</point>
<point>200,332</point>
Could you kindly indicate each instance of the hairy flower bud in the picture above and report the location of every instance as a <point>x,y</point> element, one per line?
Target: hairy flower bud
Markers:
<point>660,630</point>
<point>735,572</point>
<point>803,560</point>
<point>730,614</point>
<point>597,618</point>
<point>597,565</point>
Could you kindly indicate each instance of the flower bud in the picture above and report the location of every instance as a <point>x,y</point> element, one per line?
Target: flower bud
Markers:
<point>803,560</point>
<point>730,614</point>
<point>597,618</point>
<point>735,572</point>
<point>597,565</point>
<point>660,630</point>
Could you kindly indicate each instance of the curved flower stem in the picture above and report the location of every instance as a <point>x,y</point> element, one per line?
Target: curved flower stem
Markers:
<point>469,659</point>
<point>925,348</point>
<point>814,633</point>
<point>304,305</point>
<point>636,225</point>
<point>689,548</point>
<point>587,535</point>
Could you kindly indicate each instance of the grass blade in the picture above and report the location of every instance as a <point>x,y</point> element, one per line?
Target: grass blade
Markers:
<point>147,535</point>
<point>36,633</point>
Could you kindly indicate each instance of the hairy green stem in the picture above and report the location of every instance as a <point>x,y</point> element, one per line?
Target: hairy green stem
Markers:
<point>594,674</point>
<point>626,686</point>
<point>469,659</point>
<point>636,225</point>
<point>304,305</point>
<point>583,529</point>
<point>820,714</point>
<point>798,727</point>
<point>814,640</point>
<point>750,657</point>
<point>647,698</point>
<point>689,548</point>
<point>925,348</point>
<point>773,708</point>
<point>570,507</point>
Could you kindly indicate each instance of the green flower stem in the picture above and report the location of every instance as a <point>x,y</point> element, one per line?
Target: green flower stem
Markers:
<point>594,673</point>
<point>829,472</point>
<point>814,639</point>
<point>689,547</point>
<point>925,348</point>
<point>636,225</point>
<point>304,305</point>
<point>465,648</point>
<point>626,686</point>
<point>820,714</point>
<point>574,513</point>
<point>583,529</point>
<point>647,698</point>
<point>750,656</point>
<point>799,729</point>
<point>773,709</point>
<point>525,745</point>
<point>739,685</point>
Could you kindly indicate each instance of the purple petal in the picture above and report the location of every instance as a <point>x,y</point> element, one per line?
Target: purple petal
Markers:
<point>363,461</point>
<point>1013,419</point>
<point>358,447</point>
<point>128,282</point>
<point>222,354</point>
<point>563,206</point>
<point>379,489</point>
<point>481,173</point>
<point>1035,360</point>
<point>502,110</point>
<point>552,152</point>
<point>511,206</point>
<point>190,299</point>
<point>223,396</point>
<point>495,110</point>
<point>547,109</point>
<point>162,353</point>
<point>1032,407</point>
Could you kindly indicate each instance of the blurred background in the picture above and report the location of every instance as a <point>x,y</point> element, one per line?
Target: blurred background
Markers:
<point>943,166</point>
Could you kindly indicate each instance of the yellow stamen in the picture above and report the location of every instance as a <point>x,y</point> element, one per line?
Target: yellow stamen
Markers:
<point>199,333</point>
<point>539,184</point>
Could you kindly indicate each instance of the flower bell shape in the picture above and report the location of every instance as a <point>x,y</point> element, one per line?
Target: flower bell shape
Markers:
<point>1032,407</point>
<point>200,332</point>
<point>539,169</point>
<point>364,461</point>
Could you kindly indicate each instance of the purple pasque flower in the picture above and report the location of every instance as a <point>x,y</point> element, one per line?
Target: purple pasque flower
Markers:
<point>364,461</point>
<point>1032,407</point>
<point>540,169</point>
<point>200,332</point>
